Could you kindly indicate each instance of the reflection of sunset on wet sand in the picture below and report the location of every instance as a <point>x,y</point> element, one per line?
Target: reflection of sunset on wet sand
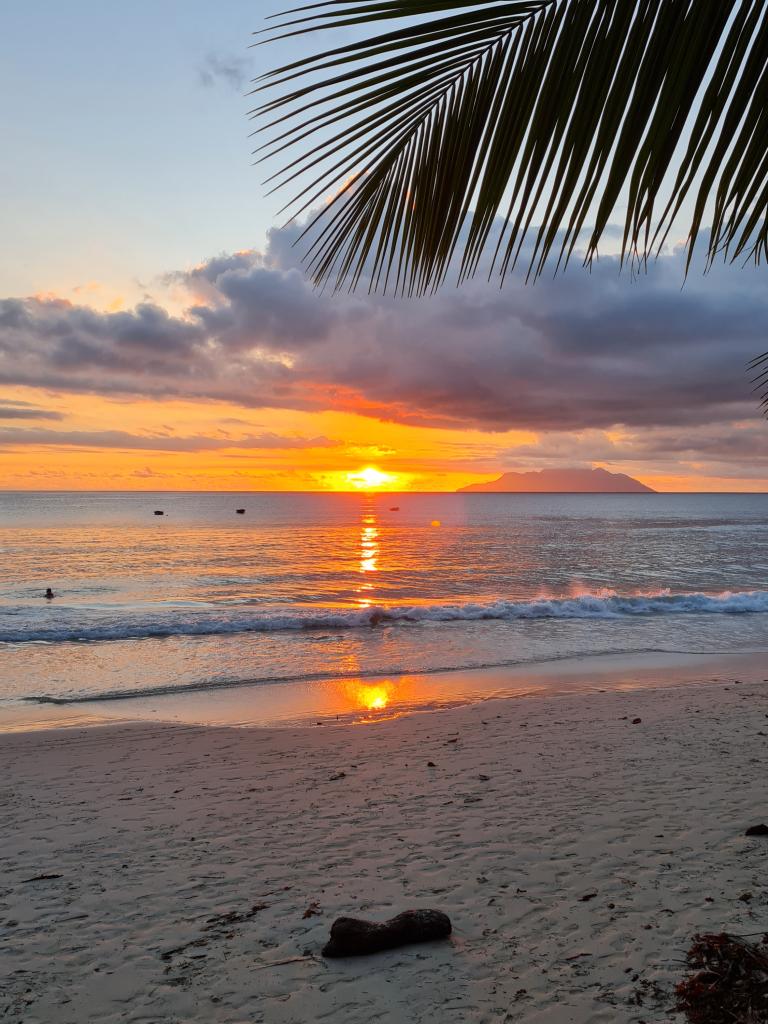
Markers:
<point>371,696</point>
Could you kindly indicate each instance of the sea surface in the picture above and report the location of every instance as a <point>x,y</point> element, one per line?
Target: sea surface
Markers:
<point>302,588</point>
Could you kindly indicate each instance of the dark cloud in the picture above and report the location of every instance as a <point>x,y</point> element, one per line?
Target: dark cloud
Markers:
<point>121,439</point>
<point>583,352</point>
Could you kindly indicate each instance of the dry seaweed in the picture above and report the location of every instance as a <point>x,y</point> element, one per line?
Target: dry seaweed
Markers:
<point>728,981</point>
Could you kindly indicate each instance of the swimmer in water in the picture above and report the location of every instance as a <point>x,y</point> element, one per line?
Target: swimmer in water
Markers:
<point>49,594</point>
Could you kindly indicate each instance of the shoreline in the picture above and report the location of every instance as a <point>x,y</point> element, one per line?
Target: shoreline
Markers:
<point>575,848</point>
<point>366,699</point>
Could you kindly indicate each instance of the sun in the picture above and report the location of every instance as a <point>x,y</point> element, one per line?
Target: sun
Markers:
<point>369,478</point>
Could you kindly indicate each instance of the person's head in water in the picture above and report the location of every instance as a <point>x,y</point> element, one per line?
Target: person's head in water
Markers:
<point>49,593</point>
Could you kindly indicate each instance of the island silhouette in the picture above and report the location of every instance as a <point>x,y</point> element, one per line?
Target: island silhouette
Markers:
<point>587,481</point>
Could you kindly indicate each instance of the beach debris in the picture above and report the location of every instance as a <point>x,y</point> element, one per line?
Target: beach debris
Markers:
<point>313,910</point>
<point>219,928</point>
<point>757,830</point>
<point>353,937</point>
<point>337,776</point>
<point>728,980</point>
<point>233,917</point>
<point>281,963</point>
<point>39,878</point>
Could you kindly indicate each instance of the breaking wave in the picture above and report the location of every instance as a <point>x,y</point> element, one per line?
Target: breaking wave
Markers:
<point>169,623</point>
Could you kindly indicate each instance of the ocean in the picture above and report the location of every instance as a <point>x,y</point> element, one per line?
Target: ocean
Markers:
<point>301,589</point>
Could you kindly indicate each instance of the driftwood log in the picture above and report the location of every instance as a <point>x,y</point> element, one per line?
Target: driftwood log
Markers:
<point>352,937</point>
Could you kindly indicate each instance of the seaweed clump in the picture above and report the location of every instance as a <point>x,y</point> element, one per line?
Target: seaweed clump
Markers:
<point>728,981</point>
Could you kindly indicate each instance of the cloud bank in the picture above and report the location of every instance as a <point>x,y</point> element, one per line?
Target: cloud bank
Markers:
<point>122,439</point>
<point>584,352</point>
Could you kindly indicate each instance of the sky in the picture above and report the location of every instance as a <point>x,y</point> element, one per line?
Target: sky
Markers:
<point>157,330</point>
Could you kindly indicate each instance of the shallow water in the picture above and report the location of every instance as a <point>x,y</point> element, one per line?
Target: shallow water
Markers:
<point>330,586</point>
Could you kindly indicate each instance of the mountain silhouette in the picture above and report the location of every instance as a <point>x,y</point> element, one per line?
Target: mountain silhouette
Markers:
<point>590,481</point>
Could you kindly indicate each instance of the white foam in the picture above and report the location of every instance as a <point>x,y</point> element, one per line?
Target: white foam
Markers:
<point>70,625</point>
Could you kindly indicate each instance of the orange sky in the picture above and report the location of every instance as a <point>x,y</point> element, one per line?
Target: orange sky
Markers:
<point>412,458</point>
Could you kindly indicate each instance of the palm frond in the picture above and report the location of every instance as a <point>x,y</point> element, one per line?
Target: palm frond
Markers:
<point>545,112</point>
<point>760,380</point>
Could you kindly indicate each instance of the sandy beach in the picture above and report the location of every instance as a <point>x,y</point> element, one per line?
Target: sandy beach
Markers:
<point>182,873</point>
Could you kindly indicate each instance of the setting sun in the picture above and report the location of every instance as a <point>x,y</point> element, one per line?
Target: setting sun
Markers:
<point>370,478</point>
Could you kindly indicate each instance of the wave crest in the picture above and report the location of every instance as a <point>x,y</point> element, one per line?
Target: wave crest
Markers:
<point>606,605</point>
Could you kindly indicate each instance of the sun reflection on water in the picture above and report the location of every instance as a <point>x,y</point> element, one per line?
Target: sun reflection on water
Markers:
<point>369,546</point>
<point>369,557</point>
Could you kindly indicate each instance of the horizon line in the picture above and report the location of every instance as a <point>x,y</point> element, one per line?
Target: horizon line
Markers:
<point>356,491</point>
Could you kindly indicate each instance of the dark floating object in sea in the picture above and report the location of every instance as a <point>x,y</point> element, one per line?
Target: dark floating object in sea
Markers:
<point>240,511</point>
<point>394,508</point>
<point>757,830</point>
<point>352,937</point>
<point>159,512</point>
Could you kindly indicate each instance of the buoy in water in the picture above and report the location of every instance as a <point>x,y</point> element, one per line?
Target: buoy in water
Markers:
<point>394,508</point>
<point>240,511</point>
<point>159,512</point>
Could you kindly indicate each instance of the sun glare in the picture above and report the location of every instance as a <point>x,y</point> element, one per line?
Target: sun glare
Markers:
<point>370,478</point>
<point>373,697</point>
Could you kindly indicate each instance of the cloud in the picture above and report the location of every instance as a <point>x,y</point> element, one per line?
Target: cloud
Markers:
<point>586,352</point>
<point>121,439</point>
<point>227,70</point>
<point>14,410</point>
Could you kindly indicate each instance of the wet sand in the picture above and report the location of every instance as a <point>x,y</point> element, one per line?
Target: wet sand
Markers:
<point>366,699</point>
